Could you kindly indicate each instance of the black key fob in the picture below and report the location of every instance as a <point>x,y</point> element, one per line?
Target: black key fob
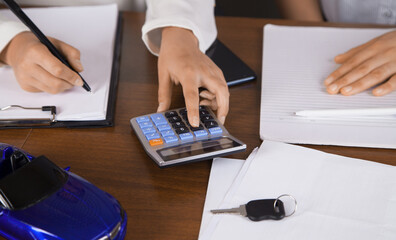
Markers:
<point>258,210</point>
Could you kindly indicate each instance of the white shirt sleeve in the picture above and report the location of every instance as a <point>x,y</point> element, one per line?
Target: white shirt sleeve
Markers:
<point>195,15</point>
<point>8,30</point>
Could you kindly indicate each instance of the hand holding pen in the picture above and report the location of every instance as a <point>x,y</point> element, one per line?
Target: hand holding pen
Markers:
<point>36,69</point>
<point>50,66</point>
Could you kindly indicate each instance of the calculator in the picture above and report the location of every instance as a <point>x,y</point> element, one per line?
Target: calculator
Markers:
<point>169,139</point>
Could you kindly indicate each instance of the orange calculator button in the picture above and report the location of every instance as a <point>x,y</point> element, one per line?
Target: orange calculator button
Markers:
<point>155,142</point>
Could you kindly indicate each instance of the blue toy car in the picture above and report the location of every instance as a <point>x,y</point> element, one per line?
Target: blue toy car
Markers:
<point>39,200</point>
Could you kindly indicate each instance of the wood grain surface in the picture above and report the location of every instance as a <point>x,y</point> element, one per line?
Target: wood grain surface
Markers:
<point>161,203</point>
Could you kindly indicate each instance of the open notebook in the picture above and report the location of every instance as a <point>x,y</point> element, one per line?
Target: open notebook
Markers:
<point>296,60</point>
<point>92,30</point>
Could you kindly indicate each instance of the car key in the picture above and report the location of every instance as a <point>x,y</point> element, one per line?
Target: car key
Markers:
<point>258,210</point>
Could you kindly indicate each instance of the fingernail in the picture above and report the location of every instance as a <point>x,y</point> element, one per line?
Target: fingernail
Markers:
<point>79,65</point>
<point>378,91</point>
<point>202,94</point>
<point>337,58</point>
<point>222,119</point>
<point>160,107</point>
<point>333,88</point>
<point>347,89</point>
<point>195,121</point>
<point>78,82</point>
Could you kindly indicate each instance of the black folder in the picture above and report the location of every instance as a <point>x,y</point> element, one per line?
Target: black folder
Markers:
<point>234,69</point>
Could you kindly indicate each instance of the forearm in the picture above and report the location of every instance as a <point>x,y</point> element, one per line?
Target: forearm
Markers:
<point>302,10</point>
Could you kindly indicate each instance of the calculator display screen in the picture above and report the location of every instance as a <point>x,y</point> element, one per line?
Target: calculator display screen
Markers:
<point>197,148</point>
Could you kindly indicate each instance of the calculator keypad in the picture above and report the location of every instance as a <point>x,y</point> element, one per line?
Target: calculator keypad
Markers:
<point>169,139</point>
<point>173,126</point>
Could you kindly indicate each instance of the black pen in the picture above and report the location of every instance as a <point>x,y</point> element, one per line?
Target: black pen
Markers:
<point>14,7</point>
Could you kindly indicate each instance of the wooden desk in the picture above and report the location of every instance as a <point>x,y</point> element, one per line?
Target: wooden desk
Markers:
<point>160,203</point>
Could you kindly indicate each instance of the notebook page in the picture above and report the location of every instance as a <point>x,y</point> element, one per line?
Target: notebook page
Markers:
<point>92,31</point>
<point>296,60</point>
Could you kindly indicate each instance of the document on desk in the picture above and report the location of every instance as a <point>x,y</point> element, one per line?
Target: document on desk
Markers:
<point>296,60</point>
<point>222,175</point>
<point>92,31</point>
<point>338,197</point>
<point>225,173</point>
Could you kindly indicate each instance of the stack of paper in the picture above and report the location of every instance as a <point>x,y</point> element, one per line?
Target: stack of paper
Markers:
<point>92,31</point>
<point>338,197</point>
<point>296,60</point>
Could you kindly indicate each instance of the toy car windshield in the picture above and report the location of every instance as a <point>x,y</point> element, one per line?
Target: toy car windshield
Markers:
<point>31,183</point>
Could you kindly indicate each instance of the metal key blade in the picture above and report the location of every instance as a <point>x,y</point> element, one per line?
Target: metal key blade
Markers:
<point>241,210</point>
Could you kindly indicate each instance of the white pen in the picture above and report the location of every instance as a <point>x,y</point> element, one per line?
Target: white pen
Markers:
<point>346,112</point>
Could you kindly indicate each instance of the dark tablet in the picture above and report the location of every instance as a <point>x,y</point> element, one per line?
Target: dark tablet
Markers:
<point>234,69</point>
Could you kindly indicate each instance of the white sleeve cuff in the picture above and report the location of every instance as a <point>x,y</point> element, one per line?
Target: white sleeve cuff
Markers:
<point>194,15</point>
<point>152,32</point>
<point>8,30</point>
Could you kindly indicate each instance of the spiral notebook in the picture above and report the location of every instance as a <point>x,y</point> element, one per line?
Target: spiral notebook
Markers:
<point>95,31</point>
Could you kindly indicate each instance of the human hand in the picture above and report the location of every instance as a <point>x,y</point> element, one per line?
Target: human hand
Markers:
<point>365,66</point>
<point>181,62</point>
<point>36,69</point>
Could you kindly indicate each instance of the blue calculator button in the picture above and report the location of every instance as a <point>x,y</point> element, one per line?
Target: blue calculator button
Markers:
<point>200,133</point>
<point>215,130</point>
<point>171,139</point>
<point>148,130</point>
<point>167,133</point>
<point>163,127</point>
<point>142,119</point>
<point>158,123</point>
<point>157,116</point>
<point>186,136</point>
<point>150,136</point>
<point>158,119</point>
<point>145,124</point>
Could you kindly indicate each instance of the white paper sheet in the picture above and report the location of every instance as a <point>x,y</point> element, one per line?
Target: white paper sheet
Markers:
<point>224,174</point>
<point>92,31</point>
<point>296,60</point>
<point>338,197</point>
